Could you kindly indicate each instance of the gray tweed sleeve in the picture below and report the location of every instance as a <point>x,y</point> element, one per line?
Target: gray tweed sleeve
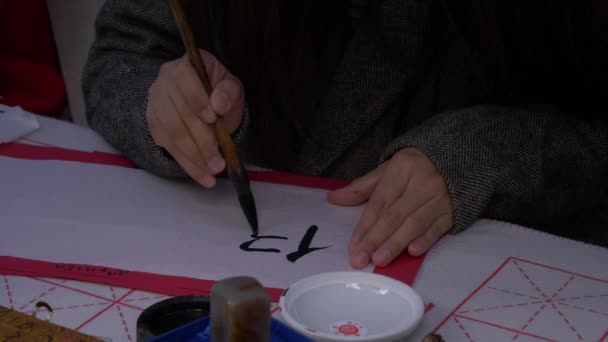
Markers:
<point>133,39</point>
<point>525,166</point>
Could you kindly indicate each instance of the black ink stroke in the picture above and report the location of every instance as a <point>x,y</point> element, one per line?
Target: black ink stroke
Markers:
<point>304,247</point>
<point>246,246</point>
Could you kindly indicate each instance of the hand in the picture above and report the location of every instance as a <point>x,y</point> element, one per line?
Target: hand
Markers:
<point>408,207</point>
<point>180,114</point>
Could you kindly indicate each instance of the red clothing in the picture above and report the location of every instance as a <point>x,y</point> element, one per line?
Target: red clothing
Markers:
<point>29,69</point>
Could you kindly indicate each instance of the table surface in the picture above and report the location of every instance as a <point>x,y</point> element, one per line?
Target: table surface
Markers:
<point>457,283</point>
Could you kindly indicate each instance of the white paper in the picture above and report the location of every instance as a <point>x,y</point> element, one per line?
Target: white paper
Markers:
<point>130,219</point>
<point>16,123</point>
<point>68,135</point>
<point>457,269</point>
<point>125,218</point>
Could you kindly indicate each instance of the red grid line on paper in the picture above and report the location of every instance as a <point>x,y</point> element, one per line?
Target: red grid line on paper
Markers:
<point>511,292</point>
<point>464,331</point>
<point>40,296</point>
<point>529,280</point>
<point>86,293</point>
<point>471,295</point>
<point>113,303</point>
<point>548,302</point>
<point>72,307</point>
<point>581,297</point>
<point>144,298</point>
<point>122,317</point>
<point>532,318</point>
<point>8,293</point>
<point>505,328</point>
<point>500,307</point>
<point>559,312</point>
<point>585,309</point>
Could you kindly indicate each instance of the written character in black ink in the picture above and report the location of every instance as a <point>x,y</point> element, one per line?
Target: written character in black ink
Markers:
<point>246,246</point>
<point>304,246</point>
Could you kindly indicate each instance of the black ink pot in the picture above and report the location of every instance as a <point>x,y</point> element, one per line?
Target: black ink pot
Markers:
<point>170,314</point>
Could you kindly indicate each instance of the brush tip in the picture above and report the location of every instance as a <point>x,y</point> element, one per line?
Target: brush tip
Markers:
<point>248,206</point>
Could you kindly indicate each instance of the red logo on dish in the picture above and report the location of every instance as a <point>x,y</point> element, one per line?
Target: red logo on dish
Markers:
<point>348,330</point>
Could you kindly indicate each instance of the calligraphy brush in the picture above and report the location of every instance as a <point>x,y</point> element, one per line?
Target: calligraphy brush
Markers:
<point>234,166</point>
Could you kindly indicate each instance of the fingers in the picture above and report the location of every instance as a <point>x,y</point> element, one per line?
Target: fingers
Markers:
<point>228,96</point>
<point>438,228</point>
<point>160,137</point>
<point>181,75</point>
<point>390,220</point>
<point>410,209</point>
<point>415,225</point>
<point>202,134</point>
<point>180,114</point>
<point>358,191</point>
<point>383,213</point>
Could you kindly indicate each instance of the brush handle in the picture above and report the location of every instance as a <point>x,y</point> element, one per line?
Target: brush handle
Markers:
<point>229,151</point>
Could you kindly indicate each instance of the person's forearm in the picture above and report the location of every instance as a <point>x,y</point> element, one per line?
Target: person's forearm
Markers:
<point>514,164</point>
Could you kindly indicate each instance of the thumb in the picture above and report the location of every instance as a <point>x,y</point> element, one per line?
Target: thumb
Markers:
<point>357,192</point>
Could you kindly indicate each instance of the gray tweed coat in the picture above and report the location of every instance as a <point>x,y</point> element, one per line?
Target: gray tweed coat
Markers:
<point>529,165</point>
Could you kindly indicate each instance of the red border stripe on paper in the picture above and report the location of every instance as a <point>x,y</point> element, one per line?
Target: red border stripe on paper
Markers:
<point>403,268</point>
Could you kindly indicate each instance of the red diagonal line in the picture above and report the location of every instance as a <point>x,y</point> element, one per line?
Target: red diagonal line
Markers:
<point>563,287</point>
<point>511,292</point>
<point>143,298</point>
<point>570,325</point>
<point>528,278</point>
<point>533,317</point>
<point>466,333</point>
<point>582,297</point>
<point>561,270</point>
<point>8,292</point>
<point>276,309</point>
<point>584,309</point>
<point>73,307</point>
<point>85,292</point>
<point>505,328</point>
<point>605,337</point>
<point>104,310</point>
<point>122,317</point>
<point>500,307</point>
<point>39,296</point>
<point>485,282</point>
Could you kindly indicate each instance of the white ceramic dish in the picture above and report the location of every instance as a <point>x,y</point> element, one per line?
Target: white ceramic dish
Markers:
<point>352,306</point>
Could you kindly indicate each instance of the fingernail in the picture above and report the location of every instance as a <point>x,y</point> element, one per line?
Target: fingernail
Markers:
<point>208,181</point>
<point>415,249</point>
<point>360,260</point>
<point>382,257</point>
<point>208,115</point>
<point>221,101</point>
<point>216,164</point>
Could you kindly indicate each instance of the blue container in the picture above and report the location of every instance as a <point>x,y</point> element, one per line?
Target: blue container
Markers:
<point>200,330</point>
